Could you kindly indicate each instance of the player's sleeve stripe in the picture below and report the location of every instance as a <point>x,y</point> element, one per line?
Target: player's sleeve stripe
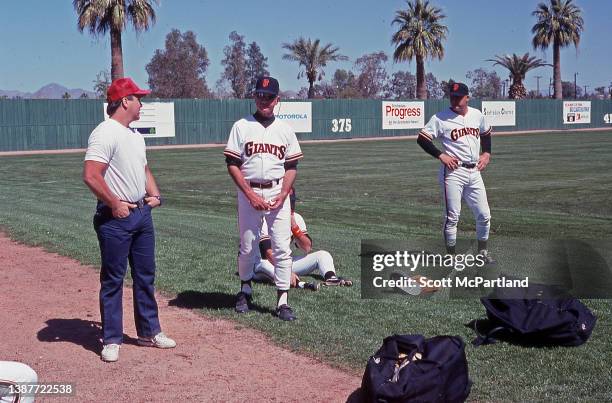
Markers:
<point>231,153</point>
<point>263,238</point>
<point>486,133</point>
<point>426,135</point>
<point>294,157</point>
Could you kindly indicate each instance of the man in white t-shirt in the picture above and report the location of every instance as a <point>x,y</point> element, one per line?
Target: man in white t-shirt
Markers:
<point>116,172</point>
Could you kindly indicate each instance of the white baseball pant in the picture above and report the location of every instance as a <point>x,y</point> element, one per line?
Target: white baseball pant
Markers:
<point>464,183</point>
<point>302,265</point>
<point>279,229</point>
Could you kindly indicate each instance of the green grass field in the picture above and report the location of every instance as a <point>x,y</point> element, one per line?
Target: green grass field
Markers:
<point>540,186</point>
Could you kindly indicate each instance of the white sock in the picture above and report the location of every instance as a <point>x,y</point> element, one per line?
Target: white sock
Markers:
<point>282,300</point>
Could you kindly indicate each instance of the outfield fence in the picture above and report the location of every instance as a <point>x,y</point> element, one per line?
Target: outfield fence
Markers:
<point>31,124</point>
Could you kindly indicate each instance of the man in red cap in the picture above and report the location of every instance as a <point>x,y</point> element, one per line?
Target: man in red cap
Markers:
<point>117,173</point>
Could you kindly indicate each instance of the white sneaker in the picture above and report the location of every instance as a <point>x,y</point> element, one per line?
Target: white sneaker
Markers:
<point>160,341</point>
<point>110,352</point>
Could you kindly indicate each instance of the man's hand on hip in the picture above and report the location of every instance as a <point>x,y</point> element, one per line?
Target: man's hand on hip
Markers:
<point>451,163</point>
<point>153,201</point>
<point>483,161</point>
<point>121,209</point>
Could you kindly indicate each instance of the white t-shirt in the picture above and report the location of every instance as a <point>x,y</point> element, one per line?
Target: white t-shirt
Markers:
<point>460,135</point>
<point>123,149</point>
<point>262,150</point>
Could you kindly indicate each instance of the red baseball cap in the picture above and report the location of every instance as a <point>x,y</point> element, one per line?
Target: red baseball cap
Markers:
<point>122,87</point>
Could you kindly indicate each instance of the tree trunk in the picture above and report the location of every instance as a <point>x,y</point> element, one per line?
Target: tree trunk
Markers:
<point>558,94</point>
<point>310,89</point>
<point>420,76</point>
<point>116,54</point>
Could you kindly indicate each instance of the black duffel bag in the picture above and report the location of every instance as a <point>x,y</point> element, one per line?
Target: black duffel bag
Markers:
<point>410,368</point>
<point>538,315</point>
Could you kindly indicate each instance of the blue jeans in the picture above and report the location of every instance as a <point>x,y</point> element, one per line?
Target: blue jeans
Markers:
<point>121,240</point>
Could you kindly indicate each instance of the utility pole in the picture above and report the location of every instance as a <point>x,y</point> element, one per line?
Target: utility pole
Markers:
<point>575,86</point>
<point>550,85</point>
<point>585,91</point>
<point>538,84</point>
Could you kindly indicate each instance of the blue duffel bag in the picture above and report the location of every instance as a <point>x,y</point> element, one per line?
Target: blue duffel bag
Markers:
<point>410,368</point>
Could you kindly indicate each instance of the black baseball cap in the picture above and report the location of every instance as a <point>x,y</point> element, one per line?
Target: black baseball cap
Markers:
<point>266,85</point>
<point>459,89</point>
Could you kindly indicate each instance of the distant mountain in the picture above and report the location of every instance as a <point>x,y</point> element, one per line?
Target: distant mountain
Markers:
<point>49,91</point>
<point>14,94</point>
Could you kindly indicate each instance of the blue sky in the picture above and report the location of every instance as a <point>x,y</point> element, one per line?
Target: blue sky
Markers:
<point>41,44</point>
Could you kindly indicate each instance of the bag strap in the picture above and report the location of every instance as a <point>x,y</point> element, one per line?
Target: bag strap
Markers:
<point>485,338</point>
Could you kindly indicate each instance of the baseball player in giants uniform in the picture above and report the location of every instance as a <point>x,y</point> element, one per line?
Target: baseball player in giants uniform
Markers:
<point>466,139</point>
<point>261,155</point>
<point>321,260</point>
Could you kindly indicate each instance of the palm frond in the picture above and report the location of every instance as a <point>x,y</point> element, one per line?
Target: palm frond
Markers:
<point>560,21</point>
<point>420,32</point>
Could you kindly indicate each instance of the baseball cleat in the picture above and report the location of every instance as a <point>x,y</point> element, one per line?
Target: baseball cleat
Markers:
<point>338,281</point>
<point>160,340</point>
<point>110,352</point>
<point>284,312</point>
<point>242,302</point>
<point>487,257</point>
<point>314,286</point>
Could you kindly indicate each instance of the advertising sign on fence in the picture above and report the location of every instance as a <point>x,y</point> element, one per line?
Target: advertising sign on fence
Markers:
<point>297,114</point>
<point>499,113</point>
<point>156,119</point>
<point>576,112</point>
<point>403,115</point>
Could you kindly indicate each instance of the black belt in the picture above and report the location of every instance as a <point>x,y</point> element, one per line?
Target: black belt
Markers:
<point>467,164</point>
<point>264,185</point>
<point>140,203</point>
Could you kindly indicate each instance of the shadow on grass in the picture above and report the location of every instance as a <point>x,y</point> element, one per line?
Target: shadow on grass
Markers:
<point>211,300</point>
<point>85,333</point>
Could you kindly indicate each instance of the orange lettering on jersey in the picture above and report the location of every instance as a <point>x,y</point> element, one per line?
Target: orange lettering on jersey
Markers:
<point>466,131</point>
<point>251,148</point>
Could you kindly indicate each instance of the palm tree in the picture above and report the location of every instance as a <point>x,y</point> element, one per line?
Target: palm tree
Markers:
<point>518,66</point>
<point>312,57</point>
<point>420,35</point>
<point>560,23</point>
<point>101,16</point>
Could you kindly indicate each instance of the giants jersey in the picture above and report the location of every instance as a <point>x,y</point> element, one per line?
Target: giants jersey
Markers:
<point>262,150</point>
<point>460,135</point>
